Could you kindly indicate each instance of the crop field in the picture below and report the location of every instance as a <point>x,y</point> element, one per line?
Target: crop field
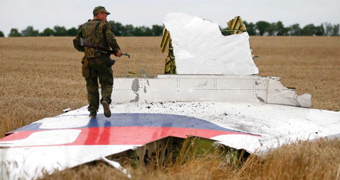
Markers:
<point>41,76</point>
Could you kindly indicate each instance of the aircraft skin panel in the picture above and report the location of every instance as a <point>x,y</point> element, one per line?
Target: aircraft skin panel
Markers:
<point>255,127</point>
<point>218,88</point>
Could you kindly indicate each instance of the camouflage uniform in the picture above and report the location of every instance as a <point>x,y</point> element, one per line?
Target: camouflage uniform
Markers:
<point>95,64</point>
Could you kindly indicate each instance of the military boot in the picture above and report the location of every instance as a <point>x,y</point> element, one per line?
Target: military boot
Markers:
<point>93,114</point>
<point>107,111</point>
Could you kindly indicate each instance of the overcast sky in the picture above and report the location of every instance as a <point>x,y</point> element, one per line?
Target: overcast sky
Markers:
<point>70,13</point>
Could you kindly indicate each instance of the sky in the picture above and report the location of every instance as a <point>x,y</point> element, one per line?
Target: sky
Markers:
<point>43,14</point>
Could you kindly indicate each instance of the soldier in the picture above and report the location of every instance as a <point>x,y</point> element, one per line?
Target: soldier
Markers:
<point>95,63</point>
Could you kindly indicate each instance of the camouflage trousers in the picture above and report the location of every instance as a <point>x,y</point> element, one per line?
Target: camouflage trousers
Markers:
<point>99,70</point>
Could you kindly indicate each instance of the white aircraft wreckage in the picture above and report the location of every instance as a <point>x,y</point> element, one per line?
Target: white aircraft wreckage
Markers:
<point>215,97</point>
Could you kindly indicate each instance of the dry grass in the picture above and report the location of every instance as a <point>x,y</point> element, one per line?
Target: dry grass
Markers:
<point>42,76</point>
<point>305,160</point>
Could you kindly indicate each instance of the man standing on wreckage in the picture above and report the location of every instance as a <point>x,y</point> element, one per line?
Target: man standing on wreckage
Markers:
<point>97,63</point>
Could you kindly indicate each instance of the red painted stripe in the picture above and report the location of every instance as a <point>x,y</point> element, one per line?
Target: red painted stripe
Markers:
<point>138,135</point>
<point>17,136</point>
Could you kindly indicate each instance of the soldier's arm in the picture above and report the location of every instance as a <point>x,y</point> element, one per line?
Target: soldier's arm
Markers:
<point>76,41</point>
<point>112,40</point>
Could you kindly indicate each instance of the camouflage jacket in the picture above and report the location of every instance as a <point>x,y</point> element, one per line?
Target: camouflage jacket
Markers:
<point>99,33</point>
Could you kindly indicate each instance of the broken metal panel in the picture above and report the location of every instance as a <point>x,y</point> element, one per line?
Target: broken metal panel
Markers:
<point>165,37</point>
<point>116,165</point>
<point>200,48</point>
<point>250,89</point>
<point>209,52</point>
<point>170,63</point>
<point>236,26</point>
<point>278,94</point>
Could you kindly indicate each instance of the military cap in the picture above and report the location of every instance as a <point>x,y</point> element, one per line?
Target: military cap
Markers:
<point>99,9</point>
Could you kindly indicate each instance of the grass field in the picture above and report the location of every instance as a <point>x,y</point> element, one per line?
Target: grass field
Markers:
<point>42,76</point>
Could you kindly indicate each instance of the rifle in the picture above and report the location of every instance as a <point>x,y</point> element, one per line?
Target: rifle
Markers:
<point>84,43</point>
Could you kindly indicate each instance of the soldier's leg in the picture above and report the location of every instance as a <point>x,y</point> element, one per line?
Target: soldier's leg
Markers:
<point>92,94</point>
<point>106,81</point>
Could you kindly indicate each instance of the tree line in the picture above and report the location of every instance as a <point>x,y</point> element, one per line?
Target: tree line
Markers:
<point>260,28</point>
<point>263,28</point>
<point>119,30</point>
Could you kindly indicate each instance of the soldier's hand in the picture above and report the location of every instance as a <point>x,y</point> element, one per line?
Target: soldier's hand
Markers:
<point>119,53</point>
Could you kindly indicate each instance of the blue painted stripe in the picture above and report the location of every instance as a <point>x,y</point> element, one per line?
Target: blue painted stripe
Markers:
<point>142,120</point>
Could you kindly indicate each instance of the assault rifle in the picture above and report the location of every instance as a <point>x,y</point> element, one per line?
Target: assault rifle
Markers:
<point>84,43</point>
